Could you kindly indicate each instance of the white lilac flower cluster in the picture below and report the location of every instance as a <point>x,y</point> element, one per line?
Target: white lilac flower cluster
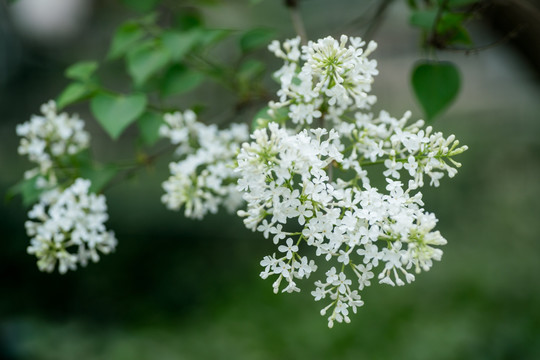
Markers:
<point>67,227</point>
<point>48,138</point>
<point>333,78</point>
<point>309,189</point>
<point>204,178</point>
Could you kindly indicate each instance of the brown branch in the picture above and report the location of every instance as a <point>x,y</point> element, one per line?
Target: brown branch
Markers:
<point>297,21</point>
<point>143,163</point>
<point>498,42</point>
<point>527,7</point>
<point>377,19</point>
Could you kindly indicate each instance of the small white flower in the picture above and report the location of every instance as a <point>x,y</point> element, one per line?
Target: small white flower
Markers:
<point>290,248</point>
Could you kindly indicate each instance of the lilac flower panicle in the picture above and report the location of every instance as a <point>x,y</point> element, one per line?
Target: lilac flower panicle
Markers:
<point>310,188</point>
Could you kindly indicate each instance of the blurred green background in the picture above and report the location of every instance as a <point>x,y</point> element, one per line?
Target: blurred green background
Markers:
<point>181,289</point>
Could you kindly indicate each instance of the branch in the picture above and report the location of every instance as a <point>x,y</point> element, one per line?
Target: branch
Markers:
<point>377,19</point>
<point>512,34</point>
<point>297,21</point>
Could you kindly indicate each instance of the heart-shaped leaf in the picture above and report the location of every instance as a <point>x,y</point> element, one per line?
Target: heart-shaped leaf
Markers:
<point>179,43</point>
<point>423,19</point>
<point>82,70</point>
<point>436,85</point>
<point>116,112</point>
<point>188,19</point>
<point>180,79</point>
<point>125,38</point>
<point>149,124</point>
<point>146,60</point>
<point>74,92</point>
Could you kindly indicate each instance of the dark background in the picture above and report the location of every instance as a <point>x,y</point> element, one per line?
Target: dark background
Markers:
<point>182,289</point>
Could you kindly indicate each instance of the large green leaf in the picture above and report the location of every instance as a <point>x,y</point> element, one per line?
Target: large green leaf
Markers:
<point>188,19</point>
<point>74,92</point>
<point>256,38</point>
<point>149,124</point>
<point>82,70</point>
<point>116,112</point>
<point>450,22</point>
<point>436,85</point>
<point>146,60</point>
<point>212,36</point>
<point>423,19</point>
<point>180,79</point>
<point>124,39</point>
<point>179,43</point>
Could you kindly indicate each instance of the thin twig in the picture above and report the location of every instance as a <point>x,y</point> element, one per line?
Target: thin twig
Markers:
<point>377,19</point>
<point>500,41</point>
<point>528,8</point>
<point>297,21</point>
<point>136,167</point>
<point>433,39</point>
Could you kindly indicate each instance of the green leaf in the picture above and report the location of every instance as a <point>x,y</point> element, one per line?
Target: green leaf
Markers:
<point>149,124</point>
<point>82,70</point>
<point>27,189</point>
<point>116,112</point>
<point>250,69</point>
<point>423,19</point>
<point>212,36</point>
<point>256,38</point>
<point>146,60</point>
<point>412,4</point>
<point>179,43</point>
<point>461,36</point>
<point>99,175</point>
<point>124,39</point>
<point>188,20</point>
<point>180,79</point>
<point>74,92</point>
<point>450,22</point>
<point>141,5</point>
<point>263,117</point>
<point>149,19</point>
<point>436,85</point>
